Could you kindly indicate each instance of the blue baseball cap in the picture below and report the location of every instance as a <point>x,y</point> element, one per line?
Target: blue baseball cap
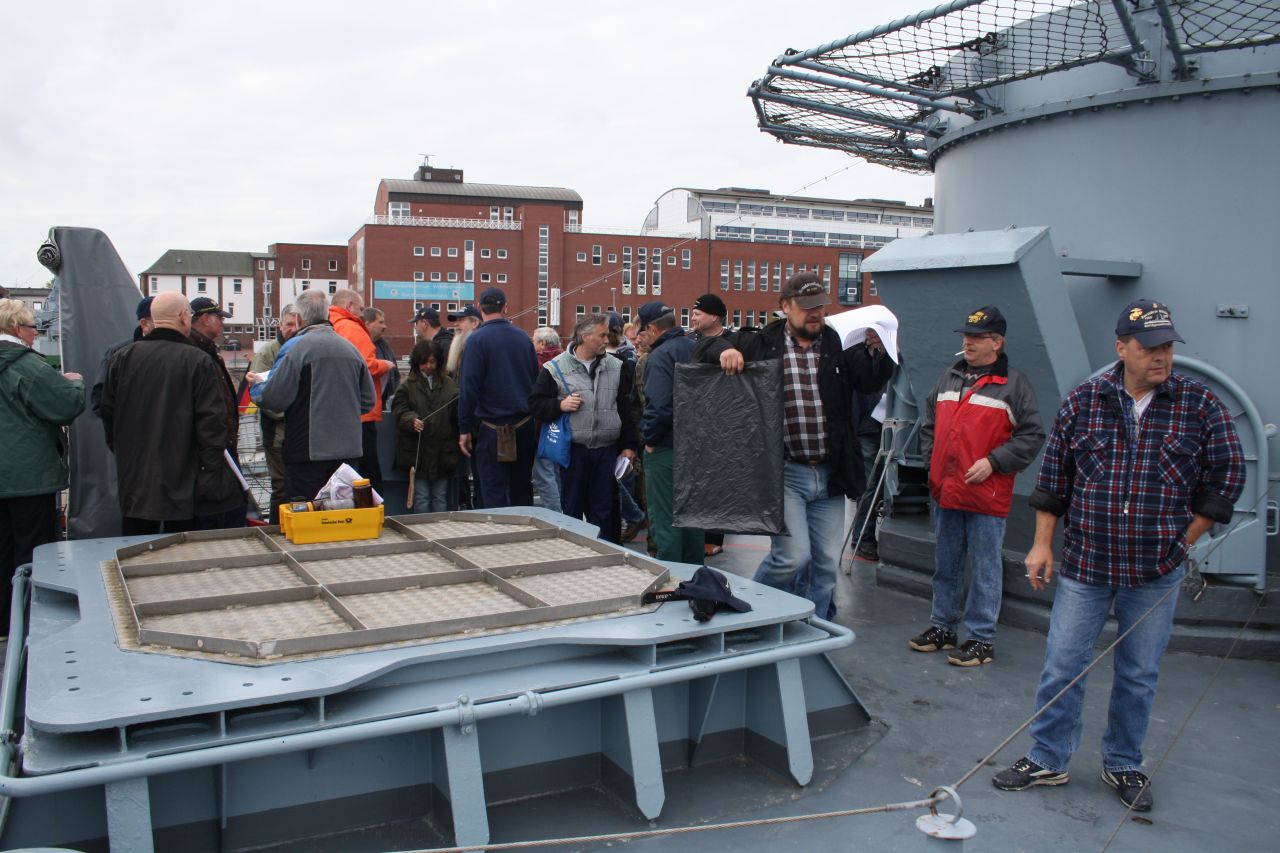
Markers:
<point>493,297</point>
<point>1149,322</point>
<point>468,311</point>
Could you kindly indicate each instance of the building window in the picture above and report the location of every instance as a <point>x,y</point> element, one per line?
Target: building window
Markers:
<point>493,214</point>
<point>724,275</point>
<point>419,276</point>
<point>686,259</point>
<point>237,285</point>
<point>502,278</point>
<point>333,266</point>
<point>468,245</point>
<point>419,251</point>
<point>485,253</point>
<point>398,210</point>
<point>262,264</point>
<point>826,276</point>
<point>155,284</point>
<point>333,287</point>
<point>306,263</point>
<point>266,287</point>
<point>271,264</point>
<point>751,276</point>
<point>737,318</point>
<point>435,276</point>
<point>453,251</point>
<point>737,275</point>
<point>671,259</point>
<point>306,285</point>
<point>484,278</point>
<point>582,257</point>
<point>684,317</point>
<point>202,285</point>
<point>508,214</point>
<point>572,217</point>
<point>502,254</point>
<point>597,252</point>
<point>581,310</point>
<point>468,275</point>
<point>613,257</point>
<point>850,282</point>
<point>435,251</point>
<point>453,276</point>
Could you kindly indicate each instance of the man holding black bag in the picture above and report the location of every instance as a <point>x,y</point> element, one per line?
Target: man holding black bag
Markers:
<point>593,388</point>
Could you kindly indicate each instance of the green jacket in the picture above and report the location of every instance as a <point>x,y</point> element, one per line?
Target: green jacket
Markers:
<point>437,452</point>
<point>36,402</point>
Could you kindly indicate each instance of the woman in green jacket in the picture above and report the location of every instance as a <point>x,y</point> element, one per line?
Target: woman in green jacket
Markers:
<point>36,402</point>
<point>426,412</point>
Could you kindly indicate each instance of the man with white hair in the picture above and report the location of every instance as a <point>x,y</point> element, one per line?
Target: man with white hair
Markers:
<point>322,385</point>
<point>344,314</point>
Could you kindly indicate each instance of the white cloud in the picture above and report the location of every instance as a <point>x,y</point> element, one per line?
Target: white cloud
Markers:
<point>235,125</point>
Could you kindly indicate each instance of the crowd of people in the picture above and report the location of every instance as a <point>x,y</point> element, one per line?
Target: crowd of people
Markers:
<point>1140,460</point>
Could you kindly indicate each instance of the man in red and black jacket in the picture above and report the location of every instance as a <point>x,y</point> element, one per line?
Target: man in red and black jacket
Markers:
<point>980,427</point>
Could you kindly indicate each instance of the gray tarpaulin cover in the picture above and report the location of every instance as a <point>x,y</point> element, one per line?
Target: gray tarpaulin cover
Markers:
<point>97,301</point>
<point>728,448</point>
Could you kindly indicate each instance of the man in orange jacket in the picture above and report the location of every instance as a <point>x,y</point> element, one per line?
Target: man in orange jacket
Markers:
<point>345,308</point>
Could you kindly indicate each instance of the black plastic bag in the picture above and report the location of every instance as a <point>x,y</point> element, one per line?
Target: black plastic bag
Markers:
<point>728,448</point>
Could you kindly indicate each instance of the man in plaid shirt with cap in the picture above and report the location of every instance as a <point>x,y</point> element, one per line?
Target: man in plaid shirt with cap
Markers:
<point>823,455</point>
<point>1141,461</point>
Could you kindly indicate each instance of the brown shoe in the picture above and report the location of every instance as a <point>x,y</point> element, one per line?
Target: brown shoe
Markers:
<point>711,550</point>
<point>630,531</point>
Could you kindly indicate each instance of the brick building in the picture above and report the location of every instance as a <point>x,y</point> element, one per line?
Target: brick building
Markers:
<point>438,240</point>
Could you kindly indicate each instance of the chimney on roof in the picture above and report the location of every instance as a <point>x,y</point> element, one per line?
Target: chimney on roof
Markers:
<point>434,174</point>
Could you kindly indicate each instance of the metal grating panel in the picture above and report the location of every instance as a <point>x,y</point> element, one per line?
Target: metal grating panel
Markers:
<point>517,553</point>
<point>227,593</point>
<point>210,582</point>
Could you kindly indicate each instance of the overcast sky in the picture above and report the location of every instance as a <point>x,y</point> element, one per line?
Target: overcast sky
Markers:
<point>233,125</point>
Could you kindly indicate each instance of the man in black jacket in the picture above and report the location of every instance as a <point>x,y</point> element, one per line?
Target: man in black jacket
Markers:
<point>207,320</point>
<point>164,412</point>
<point>823,458</point>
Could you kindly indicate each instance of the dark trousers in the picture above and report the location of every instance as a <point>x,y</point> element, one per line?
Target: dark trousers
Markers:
<point>25,522</point>
<point>504,483</point>
<point>303,479</point>
<point>587,487</point>
<point>368,465</point>
<point>148,527</point>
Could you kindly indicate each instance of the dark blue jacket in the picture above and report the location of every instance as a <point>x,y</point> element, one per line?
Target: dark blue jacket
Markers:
<point>673,348</point>
<point>497,375</point>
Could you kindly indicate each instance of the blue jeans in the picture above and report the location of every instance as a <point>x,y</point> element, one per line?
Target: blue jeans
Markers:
<point>587,487</point>
<point>504,483</point>
<point>815,534</point>
<point>981,538</point>
<point>431,495</point>
<point>1079,612</point>
<point>546,482</point>
<point>631,511</point>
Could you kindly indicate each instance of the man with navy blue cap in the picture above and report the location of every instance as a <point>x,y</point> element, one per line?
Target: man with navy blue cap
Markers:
<point>1141,462</point>
<point>496,431</point>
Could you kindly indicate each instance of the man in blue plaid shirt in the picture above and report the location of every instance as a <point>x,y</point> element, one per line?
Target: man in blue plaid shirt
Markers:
<point>1142,461</point>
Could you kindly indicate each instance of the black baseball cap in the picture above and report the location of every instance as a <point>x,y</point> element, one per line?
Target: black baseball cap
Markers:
<point>431,315</point>
<point>615,321</point>
<point>651,311</point>
<point>709,303</point>
<point>144,308</point>
<point>1149,322</point>
<point>205,305</point>
<point>986,320</point>
<point>806,290</point>
<point>468,311</point>
<point>493,297</point>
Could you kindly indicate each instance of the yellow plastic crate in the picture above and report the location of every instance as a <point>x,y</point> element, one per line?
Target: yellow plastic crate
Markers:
<point>334,525</point>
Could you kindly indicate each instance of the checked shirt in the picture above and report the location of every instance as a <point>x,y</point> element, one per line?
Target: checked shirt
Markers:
<point>1129,488</point>
<point>804,434</point>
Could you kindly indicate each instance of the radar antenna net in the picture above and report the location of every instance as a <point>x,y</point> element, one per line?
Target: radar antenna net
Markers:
<point>886,94</point>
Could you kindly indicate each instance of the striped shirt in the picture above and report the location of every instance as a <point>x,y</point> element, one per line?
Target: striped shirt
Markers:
<point>804,429</point>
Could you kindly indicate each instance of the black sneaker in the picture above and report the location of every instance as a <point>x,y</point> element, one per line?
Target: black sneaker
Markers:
<point>868,550</point>
<point>1133,787</point>
<point>933,639</point>
<point>1024,774</point>
<point>972,653</point>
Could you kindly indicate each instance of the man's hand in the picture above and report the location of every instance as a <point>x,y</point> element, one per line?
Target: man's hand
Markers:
<point>571,403</point>
<point>391,365</point>
<point>417,424</point>
<point>253,378</point>
<point>464,444</point>
<point>1040,566</point>
<point>874,344</point>
<point>630,454</point>
<point>731,361</point>
<point>978,471</point>
<point>648,448</point>
<point>73,376</point>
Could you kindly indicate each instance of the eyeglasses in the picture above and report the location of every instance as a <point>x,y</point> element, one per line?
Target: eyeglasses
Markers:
<point>28,326</point>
